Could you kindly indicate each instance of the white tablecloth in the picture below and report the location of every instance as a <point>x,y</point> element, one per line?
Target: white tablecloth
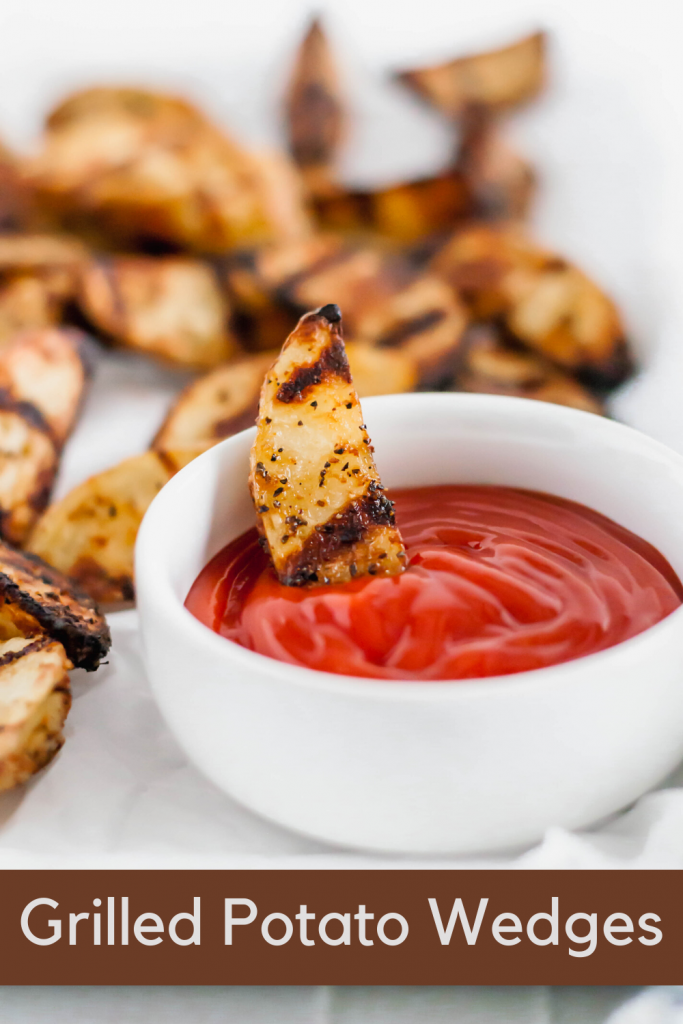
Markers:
<point>610,150</point>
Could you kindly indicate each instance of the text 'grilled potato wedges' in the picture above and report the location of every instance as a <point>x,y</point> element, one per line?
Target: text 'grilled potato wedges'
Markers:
<point>547,303</point>
<point>317,494</point>
<point>37,598</point>
<point>90,534</point>
<point>492,366</point>
<point>142,166</point>
<point>169,307</point>
<point>35,698</point>
<point>314,112</point>
<point>497,79</point>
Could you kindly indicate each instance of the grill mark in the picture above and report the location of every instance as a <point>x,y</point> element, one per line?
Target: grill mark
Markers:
<point>348,528</point>
<point>287,288</point>
<point>404,331</point>
<point>35,645</point>
<point>331,362</point>
<point>28,412</point>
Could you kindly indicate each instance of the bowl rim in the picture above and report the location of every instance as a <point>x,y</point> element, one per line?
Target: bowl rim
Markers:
<point>178,616</point>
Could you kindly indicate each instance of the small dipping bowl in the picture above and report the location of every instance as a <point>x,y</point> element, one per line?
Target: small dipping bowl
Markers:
<point>425,767</point>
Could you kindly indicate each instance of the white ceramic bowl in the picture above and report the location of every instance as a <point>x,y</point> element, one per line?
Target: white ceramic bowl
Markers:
<point>440,767</point>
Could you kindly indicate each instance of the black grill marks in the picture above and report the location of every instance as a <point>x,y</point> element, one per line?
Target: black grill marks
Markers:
<point>348,527</point>
<point>405,331</point>
<point>331,362</point>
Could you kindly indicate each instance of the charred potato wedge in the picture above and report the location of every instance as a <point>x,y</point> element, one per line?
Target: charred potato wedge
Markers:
<point>35,698</point>
<point>317,494</point>
<point>492,366</point>
<point>388,302</point>
<point>498,79</point>
<point>49,370</point>
<point>90,534</point>
<point>169,307</point>
<point>545,302</point>
<point>314,112</point>
<point>214,407</point>
<point>142,166</point>
<point>38,598</point>
<point>404,213</point>
<point>499,183</point>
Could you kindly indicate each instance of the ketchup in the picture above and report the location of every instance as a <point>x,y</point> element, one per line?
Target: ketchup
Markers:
<point>498,581</point>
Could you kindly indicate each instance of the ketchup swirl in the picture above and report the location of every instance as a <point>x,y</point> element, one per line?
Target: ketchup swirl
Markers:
<point>499,580</point>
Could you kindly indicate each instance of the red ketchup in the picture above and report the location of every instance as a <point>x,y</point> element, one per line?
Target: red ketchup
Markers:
<point>498,581</point>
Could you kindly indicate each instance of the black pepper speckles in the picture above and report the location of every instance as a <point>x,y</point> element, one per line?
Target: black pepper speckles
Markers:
<point>338,451</point>
<point>349,405</point>
<point>278,490</point>
<point>274,458</point>
<point>263,508</point>
<point>314,405</point>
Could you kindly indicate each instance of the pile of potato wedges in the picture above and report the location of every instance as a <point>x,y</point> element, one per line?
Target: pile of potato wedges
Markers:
<point>139,223</point>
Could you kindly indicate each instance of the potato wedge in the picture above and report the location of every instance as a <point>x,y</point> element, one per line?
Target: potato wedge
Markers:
<point>37,598</point>
<point>500,184</point>
<point>145,167</point>
<point>168,307</point>
<point>36,252</point>
<point>546,302</point>
<point>217,405</point>
<point>497,79</point>
<point>29,457</point>
<point>314,112</point>
<point>405,212</point>
<point>28,301</point>
<point>49,369</point>
<point>389,303</point>
<point>490,365</point>
<point>35,698</point>
<point>381,371</point>
<point>318,497</point>
<point>90,534</point>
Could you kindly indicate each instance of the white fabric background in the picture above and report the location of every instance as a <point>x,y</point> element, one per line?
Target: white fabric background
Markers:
<point>609,146</point>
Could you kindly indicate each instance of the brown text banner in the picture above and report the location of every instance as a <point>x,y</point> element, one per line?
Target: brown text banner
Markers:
<point>384,927</point>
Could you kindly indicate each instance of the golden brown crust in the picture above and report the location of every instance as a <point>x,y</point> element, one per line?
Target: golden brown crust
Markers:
<point>497,79</point>
<point>318,497</point>
<point>143,166</point>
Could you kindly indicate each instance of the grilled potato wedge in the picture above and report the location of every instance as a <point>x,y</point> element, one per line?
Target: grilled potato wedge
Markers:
<point>314,112</point>
<point>169,307</point>
<point>216,406</point>
<point>498,79</point>
<point>500,184</point>
<point>42,379</point>
<point>226,400</point>
<point>29,457</point>
<point>144,167</point>
<point>35,698</point>
<point>36,598</point>
<point>90,534</point>
<point>405,212</point>
<point>492,366</point>
<point>389,303</point>
<point>318,497</point>
<point>49,369</point>
<point>547,303</point>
